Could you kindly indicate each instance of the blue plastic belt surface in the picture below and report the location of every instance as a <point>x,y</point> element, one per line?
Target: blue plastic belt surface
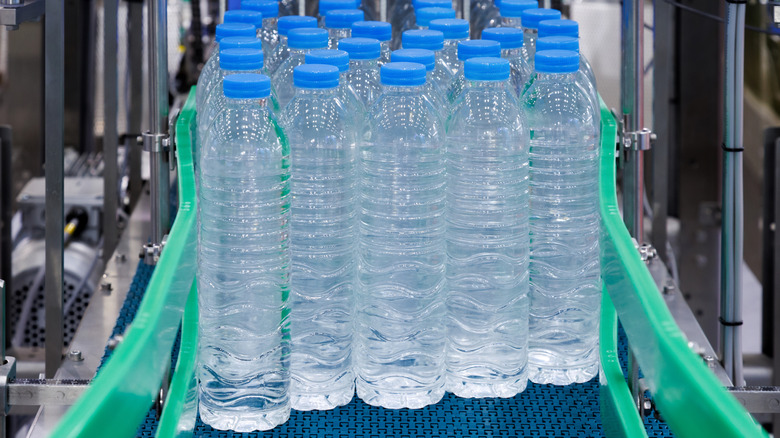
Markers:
<point>541,410</point>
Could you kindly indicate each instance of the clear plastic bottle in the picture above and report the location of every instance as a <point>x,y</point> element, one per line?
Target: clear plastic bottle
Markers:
<point>487,236</point>
<point>350,99</point>
<point>511,40</point>
<point>531,19</point>
<point>584,75</point>
<point>565,293</point>
<point>433,90</point>
<point>211,67</point>
<point>424,16</point>
<point>269,33</point>
<point>329,5</point>
<point>512,11</point>
<point>323,239</point>
<point>455,30</point>
<point>402,16</point>
<point>339,24</point>
<point>282,51</point>
<point>467,50</point>
<point>299,41</point>
<point>254,18</point>
<point>231,61</point>
<point>567,28</point>
<point>400,328</point>
<point>363,74</point>
<point>244,264</point>
<point>431,40</point>
<point>378,30</point>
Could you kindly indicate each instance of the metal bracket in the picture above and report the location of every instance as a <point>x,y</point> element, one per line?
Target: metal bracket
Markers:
<point>15,12</point>
<point>45,392</point>
<point>151,251</point>
<point>758,399</point>
<point>7,374</point>
<point>170,144</point>
<point>155,142</point>
<point>647,252</point>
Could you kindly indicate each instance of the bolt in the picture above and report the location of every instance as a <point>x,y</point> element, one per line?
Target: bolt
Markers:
<point>669,287</point>
<point>121,258</point>
<point>75,355</point>
<point>106,287</point>
<point>115,341</point>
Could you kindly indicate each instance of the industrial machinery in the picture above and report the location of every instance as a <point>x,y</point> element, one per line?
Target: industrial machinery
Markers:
<point>97,224</point>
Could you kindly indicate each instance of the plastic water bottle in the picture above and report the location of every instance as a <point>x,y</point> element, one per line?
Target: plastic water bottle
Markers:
<point>402,15</point>
<point>339,24</point>
<point>467,50</point>
<point>269,33</point>
<point>244,16</point>
<point>288,8</point>
<point>424,16</point>
<point>211,67</point>
<point>299,41</point>
<point>323,239</point>
<point>347,94</point>
<point>363,74</point>
<point>244,264</point>
<point>378,30</point>
<point>400,331</point>
<point>511,40</point>
<point>329,5</point>
<point>583,78</point>
<point>433,90</point>
<point>231,61</point>
<point>282,51</point>
<point>531,19</point>
<point>567,28</point>
<point>512,12</point>
<point>487,236</point>
<point>432,40</point>
<point>455,30</point>
<point>565,291</point>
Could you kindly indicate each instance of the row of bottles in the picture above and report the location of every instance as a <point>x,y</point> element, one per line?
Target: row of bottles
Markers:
<point>396,223</point>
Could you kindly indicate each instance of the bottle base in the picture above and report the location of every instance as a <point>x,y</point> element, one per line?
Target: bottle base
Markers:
<point>466,389</point>
<point>321,402</point>
<point>397,399</point>
<point>562,376</point>
<point>245,420</point>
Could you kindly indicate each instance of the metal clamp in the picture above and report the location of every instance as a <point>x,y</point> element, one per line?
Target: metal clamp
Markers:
<point>641,140</point>
<point>647,252</point>
<point>151,251</point>
<point>155,142</point>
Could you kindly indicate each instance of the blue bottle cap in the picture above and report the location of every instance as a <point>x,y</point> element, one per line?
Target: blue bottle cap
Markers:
<point>241,59</point>
<point>246,86</point>
<point>342,18</point>
<point>474,48</point>
<point>419,4</point>
<point>241,16</point>
<point>269,8</point>
<point>556,61</point>
<point>403,73</point>
<point>329,5</point>
<point>316,76</point>
<point>420,56</point>
<point>568,28</point>
<point>226,30</point>
<point>486,69</point>
<point>452,28</point>
<point>372,29</point>
<point>307,38</point>
<point>558,43</point>
<point>252,42</point>
<point>233,4</point>
<point>361,48</point>
<point>423,39</point>
<point>424,16</point>
<point>515,8</point>
<point>532,17</point>
<point>508,37</point>
<point>336,58</point>
<point>288,23</point>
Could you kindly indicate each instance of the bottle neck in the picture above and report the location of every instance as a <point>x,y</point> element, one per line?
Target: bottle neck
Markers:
<point>511,53</point>
<point>403,89</point>
<point>339,33</point>
<point>556,77</point>
<point>512,22</point>
<point>303,52</point>
<point>360,64</point>
<point>224,73</point>
<point>261,103</point>
<point>453,42</point>
<point>529,39</point>
<point>315,92</point>
<point>269,23</point>
<point>385,46</point>
<point>492,86</point>
<point>283,40</point>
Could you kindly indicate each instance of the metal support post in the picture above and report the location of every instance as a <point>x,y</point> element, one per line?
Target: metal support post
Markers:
<point>634,139</point>
<point>6,196</point>
<point>156,139</point>
<point>54,72</point>
<point>135,52</point>
<point>732,229</point>
<point>110,134</point>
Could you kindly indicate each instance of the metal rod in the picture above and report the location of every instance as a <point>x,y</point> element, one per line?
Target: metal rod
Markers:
<point>54,74</point>
<point>159,179</point>
<point>110,134</point>
<point>134,115</point>
<point>732,228</point>
<point>2,321</point>
<point>6,196</point>
<point>632,103</point>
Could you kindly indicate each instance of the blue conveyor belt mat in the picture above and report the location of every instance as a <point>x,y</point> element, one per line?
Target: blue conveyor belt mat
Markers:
<point>541,410</point>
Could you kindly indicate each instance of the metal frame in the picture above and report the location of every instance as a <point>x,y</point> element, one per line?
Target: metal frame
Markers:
<point>110,134</point>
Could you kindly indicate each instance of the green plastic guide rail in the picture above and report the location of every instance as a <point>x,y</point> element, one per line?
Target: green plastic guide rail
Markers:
<point>687,394</point>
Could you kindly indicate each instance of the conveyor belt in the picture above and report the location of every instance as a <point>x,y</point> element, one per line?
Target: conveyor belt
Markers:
<point>541,410</point>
